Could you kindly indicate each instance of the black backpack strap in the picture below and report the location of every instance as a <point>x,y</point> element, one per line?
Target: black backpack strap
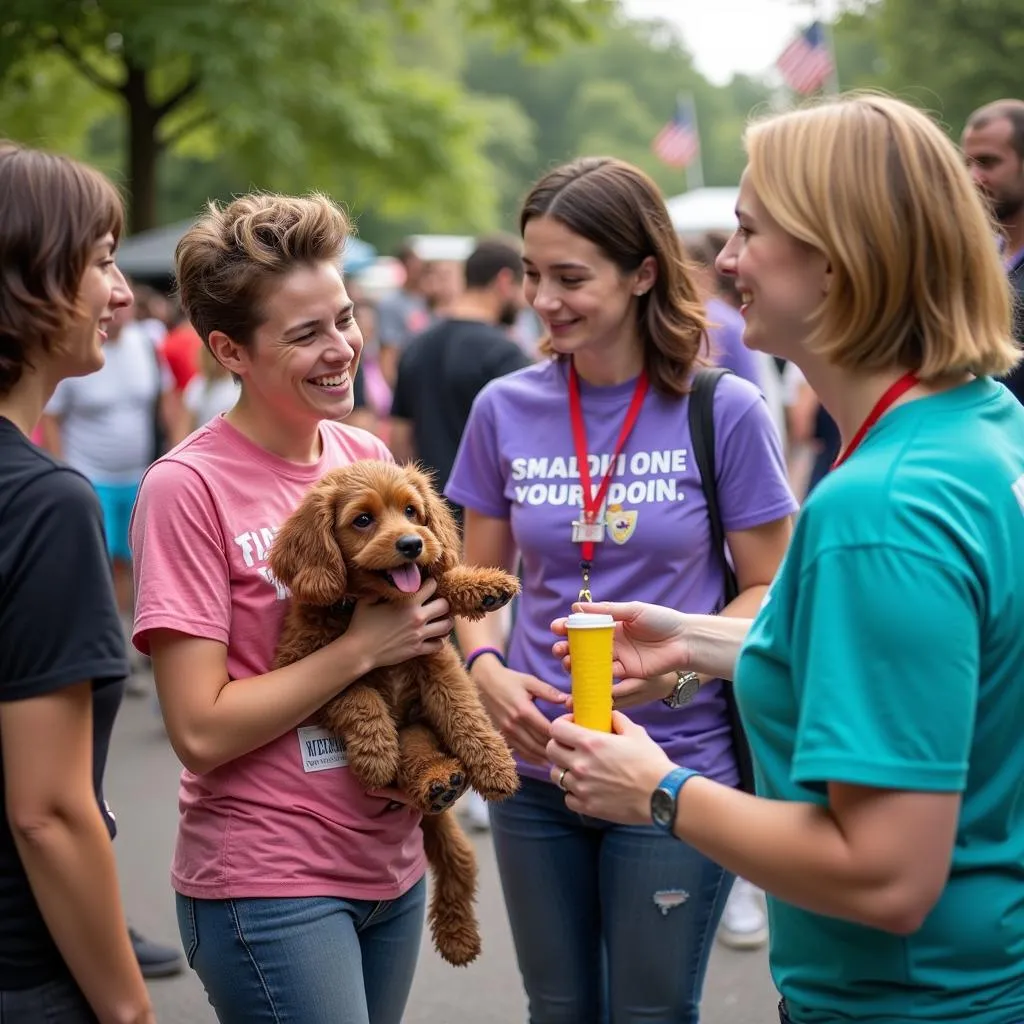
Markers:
<point>702,438</point>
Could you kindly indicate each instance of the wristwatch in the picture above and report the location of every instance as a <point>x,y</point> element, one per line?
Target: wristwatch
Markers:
<point>666,796</point>
<point>687,685</point>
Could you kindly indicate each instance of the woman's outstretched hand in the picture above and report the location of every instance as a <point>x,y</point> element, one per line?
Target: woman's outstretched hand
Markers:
<point>650,642</point>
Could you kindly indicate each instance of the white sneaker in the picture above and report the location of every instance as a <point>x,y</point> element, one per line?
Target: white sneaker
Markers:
<point>744,923</point>
<point>474,811</point>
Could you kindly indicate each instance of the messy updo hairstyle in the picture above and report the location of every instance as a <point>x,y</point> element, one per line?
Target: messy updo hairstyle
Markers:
<point>618,208</point>
<point>53,211</point>
<point>229,259</point>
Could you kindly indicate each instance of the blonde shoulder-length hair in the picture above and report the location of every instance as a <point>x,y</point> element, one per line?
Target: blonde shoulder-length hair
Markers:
<point>877,186</point>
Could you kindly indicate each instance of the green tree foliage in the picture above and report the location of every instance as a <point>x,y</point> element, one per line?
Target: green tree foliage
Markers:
<point>427,115</point>
<point>300,95</point>
<point>952,56</point>
<point>859,58</point>
<point>610,96</point>
<point>44,98</point>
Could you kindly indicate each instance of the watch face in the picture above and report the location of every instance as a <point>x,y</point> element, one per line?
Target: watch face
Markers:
<point>663,808</point>
<point>685,690</point>
<point>689,690</point>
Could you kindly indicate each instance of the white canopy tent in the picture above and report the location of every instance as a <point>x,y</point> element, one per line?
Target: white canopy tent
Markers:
<point>704,209</point>
<point>442,247</point>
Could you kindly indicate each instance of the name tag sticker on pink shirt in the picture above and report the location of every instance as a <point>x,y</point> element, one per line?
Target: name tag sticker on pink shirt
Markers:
<point>320,749</point>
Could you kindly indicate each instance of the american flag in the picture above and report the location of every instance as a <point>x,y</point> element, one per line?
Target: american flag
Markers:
<point>806,63</point>
<point>677,144</point>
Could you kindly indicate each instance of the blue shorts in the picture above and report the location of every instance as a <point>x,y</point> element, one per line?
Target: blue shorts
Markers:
<point>117,501</point>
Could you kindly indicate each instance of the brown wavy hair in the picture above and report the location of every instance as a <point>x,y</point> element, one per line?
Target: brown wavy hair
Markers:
<point>225,262</point>
<point>619,209</point>
<point>53,211</point>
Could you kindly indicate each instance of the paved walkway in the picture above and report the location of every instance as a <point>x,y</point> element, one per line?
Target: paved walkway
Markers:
<point>142,788</point>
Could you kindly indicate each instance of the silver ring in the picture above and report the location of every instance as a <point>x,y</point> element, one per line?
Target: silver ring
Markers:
<point>561,780</point>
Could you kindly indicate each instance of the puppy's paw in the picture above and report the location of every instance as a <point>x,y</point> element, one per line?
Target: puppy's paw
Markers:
<point>439,787</point>
<point>495,588</point>
<point>473,592</point>
<point>496,599</point>
<point>498,780</point>
<point>443,794</point>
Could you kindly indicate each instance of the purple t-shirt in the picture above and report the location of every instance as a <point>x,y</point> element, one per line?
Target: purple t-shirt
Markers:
<point>517,462</point>
<point>725,332</point>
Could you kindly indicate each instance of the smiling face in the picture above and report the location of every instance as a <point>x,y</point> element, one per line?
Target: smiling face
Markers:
<point>102,295</point>
<point>303,357</point>
<point>781,280</point>
<point>586,302</point>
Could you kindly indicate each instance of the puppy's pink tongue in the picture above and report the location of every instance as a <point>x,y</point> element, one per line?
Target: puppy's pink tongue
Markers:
<point>407,578</point>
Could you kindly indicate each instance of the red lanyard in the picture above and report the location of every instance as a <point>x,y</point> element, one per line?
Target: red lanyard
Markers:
<point>592,502</point>
<point>881,407</point>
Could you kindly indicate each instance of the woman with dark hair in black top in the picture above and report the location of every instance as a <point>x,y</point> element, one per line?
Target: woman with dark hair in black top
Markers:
<point>65,952</point>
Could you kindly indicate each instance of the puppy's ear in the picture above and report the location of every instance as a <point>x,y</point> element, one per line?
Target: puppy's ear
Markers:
<point>305,555</point>
<point>440,520</point>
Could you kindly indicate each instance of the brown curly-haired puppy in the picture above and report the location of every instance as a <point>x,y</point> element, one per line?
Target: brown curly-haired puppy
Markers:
<point>373,531</point>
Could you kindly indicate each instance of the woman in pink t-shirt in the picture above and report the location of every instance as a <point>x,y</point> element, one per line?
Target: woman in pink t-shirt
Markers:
<point>300,895</point>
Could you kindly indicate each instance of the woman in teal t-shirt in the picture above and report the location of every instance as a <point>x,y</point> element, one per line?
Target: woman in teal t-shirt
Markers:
<point>882,681</point>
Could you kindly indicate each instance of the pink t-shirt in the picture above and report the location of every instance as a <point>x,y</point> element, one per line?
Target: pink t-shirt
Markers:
<point>287,819</point>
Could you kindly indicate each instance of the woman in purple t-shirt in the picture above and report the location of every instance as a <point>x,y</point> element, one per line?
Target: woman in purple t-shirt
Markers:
<point>604,915</point>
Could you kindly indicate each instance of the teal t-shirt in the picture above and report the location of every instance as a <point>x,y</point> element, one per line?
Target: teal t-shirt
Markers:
<point>889,652</point>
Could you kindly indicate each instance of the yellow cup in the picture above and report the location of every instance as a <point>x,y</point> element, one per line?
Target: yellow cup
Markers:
<point>590,657</point>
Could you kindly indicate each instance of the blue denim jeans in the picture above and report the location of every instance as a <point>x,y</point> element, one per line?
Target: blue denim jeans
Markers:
<point>315,960</point>
<point>57,1002</point>
<point>611,923</point>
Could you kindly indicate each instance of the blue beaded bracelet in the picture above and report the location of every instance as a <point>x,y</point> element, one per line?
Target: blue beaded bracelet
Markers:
<point>474,654</point>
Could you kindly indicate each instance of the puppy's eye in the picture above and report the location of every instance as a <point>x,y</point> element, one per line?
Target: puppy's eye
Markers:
<point>410,512</point>
<point>362,521</point>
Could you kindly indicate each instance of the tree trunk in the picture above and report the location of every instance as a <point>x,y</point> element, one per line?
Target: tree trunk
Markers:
<point>143,150</point>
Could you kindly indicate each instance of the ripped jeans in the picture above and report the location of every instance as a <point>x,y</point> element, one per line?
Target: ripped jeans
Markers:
<point>612,924</point>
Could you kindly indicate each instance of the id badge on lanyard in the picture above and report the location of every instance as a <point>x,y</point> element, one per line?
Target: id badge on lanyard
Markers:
<point>588,530</point>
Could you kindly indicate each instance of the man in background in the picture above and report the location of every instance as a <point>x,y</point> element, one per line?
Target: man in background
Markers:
<point>993,142</point>
<point>443,370</point>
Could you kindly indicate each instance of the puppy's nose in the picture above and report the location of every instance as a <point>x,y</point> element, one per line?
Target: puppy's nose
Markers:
<point>409,546</point>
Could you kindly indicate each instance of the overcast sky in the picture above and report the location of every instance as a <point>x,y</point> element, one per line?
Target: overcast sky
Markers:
<point>730,36</point>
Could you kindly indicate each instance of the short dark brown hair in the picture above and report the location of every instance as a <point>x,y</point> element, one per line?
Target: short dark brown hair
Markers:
<point>1002,110</point>
<point>226,260</point>
<point>618,208</point>
<point>53,211</point>
<point>490,257</point>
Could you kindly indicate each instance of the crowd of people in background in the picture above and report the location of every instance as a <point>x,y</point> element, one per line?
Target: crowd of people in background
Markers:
<point>165,437</point>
